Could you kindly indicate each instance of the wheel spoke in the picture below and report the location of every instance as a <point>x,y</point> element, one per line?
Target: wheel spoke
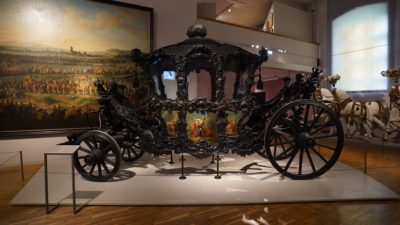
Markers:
<point>133,151</point>
<point>301,160</point>
<point>99,169</point>
<point>84,149</point>
<point>281,132</point>
<point>105,167</point>
<point>326,124</point>
<point>94,141</point>
<point>92,169</point>
<point>110,161</point>
<point>290,160</point>
<point>282,143</point>
<point>283,146</point>
<point>284,153</point>
<point>129,153</point>
<point>325,146</point>
<point>320,156</point>
<point>84,165</point>
<point>137,146</point>
<point>105,150</point>
<point>325,136</point>
<point>291,125</point>
<point>310,159</point>
<point>89,144</point>
<point>280,139</point>
<point>286,139</point>
<point>275,146</point>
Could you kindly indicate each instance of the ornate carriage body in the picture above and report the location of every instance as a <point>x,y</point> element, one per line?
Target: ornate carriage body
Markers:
<point>282,130</point>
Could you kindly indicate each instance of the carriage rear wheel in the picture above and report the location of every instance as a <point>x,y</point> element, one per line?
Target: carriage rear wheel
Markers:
<point>130,150</point>
<point>304,139</point>
<point>98,157</point>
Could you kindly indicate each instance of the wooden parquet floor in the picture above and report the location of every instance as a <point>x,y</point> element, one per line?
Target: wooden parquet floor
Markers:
<point>383,165</point>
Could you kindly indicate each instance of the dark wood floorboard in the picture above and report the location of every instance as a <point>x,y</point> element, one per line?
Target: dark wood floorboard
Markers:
<point>383,165</point>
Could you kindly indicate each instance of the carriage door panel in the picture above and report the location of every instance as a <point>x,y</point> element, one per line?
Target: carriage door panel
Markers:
<point>233,120</point>
<point>201,127</point>
<point>171,121</point>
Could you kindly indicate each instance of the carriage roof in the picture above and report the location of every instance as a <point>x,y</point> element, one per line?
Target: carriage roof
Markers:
<point>200,53</point>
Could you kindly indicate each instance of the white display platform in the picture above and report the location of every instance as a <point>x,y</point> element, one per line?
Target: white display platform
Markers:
<point>245,180</point>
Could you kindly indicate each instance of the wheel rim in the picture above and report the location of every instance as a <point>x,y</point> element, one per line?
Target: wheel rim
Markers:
<point>98,157</point>
<point>304,139</point>
<point>131,151</point>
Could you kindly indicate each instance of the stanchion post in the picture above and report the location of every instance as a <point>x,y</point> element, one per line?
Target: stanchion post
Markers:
<point>46,189</point>
<point>73,185</point>
<point>22,165</point>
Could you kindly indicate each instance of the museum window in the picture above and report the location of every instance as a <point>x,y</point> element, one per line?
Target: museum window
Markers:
<point>359,47</point>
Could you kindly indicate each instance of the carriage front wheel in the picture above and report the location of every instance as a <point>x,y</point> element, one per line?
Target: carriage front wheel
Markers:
<point>304,139</point>
<point>98,157</point>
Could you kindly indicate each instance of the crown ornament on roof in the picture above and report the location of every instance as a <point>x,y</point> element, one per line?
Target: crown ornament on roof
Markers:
<point>196,30</point>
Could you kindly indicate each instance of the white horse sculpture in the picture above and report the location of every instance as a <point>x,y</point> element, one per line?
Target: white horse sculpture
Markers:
<point>359,117</point>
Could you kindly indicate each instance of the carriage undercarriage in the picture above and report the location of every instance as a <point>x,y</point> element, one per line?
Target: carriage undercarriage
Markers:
<point>301,138</point>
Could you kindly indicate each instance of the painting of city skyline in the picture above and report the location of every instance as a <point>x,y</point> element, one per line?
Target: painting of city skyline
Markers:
<point>51,52</point>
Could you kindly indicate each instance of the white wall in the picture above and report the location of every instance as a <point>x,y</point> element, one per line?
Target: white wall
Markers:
<point>322,33</point>
<point>292,22</point>
<point>396,57</point>
<point>300,55</point>
<point>206,10</point>
<point>171,20</point>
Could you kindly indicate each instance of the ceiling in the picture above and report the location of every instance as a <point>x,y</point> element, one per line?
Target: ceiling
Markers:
<point>249,13</point>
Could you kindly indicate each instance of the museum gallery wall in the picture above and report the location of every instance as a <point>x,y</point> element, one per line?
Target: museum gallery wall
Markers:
<point>51,52</point>
<point>33,146</point>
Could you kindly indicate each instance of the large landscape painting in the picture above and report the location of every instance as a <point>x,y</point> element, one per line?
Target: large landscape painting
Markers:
<point>51,52</point>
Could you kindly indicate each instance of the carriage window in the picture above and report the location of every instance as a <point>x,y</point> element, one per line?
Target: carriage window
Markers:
<point>199,85</point>
<point>156,87</point>
<point>230,78</point>
<point>170,85</point>
<point>242,84</point>
<point>168,75</point>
